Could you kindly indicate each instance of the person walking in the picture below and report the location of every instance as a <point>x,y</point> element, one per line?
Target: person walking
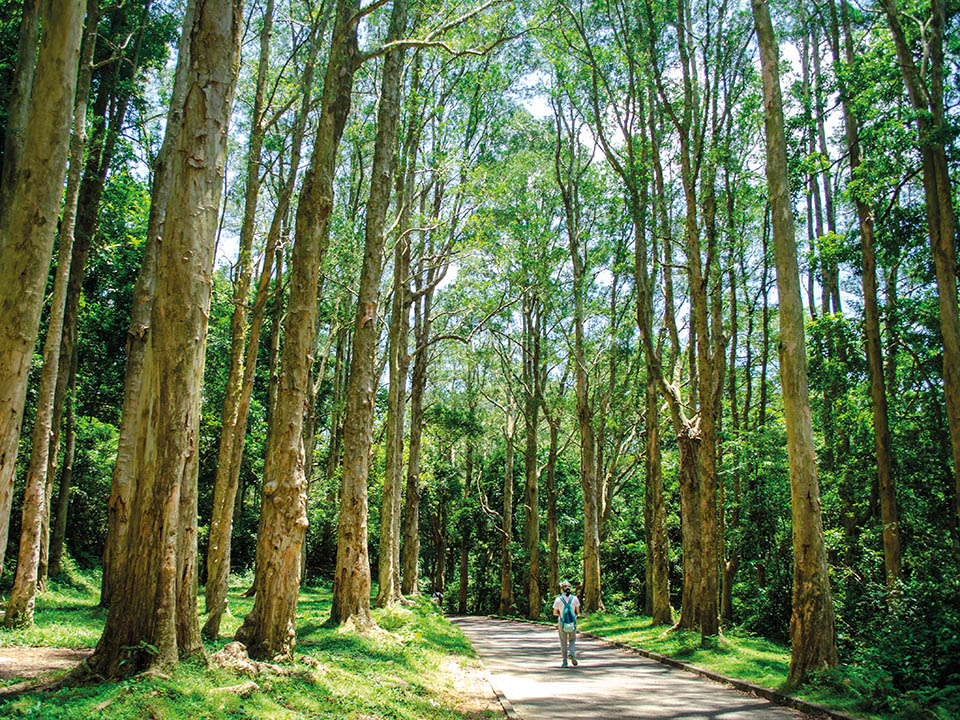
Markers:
<point>566,608</point>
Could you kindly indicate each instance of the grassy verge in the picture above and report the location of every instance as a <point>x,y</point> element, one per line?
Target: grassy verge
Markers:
<point>419,666</point>
<point>763,662</point>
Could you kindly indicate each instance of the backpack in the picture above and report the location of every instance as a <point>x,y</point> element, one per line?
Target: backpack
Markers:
<point>568,620</point>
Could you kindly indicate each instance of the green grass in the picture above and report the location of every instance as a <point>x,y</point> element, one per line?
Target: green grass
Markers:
<point>402,672</point>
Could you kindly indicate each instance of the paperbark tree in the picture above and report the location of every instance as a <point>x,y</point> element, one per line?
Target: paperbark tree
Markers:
<point>812,632</point>
<point>507,600</point>
<point>36,499</point>
<point>569,167</point>
<point>399,360</point>
<point>138,332</point>
<point>26,238</point>
<point>225,484</point>
<point>351,582</point>
<point>532,320</point>
<point>268,630</point>
<point>153,615</point>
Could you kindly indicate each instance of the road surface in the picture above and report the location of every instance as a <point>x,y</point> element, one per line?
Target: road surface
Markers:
<point>524,664</point>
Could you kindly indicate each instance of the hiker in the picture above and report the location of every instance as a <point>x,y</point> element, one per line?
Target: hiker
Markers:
<point>566,608</point>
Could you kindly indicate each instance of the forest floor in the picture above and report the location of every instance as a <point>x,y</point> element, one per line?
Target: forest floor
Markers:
<point>420,666</point>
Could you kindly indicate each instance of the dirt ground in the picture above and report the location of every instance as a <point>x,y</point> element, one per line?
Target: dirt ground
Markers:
<point>29,662</point>
<point>473,694</point>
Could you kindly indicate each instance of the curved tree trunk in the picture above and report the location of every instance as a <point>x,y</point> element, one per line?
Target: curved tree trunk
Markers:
<point>26,239</point>
<point>152,618</point>
<point>812,632</point>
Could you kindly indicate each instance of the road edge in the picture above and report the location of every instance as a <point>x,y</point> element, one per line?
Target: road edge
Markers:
<point>507,706</point>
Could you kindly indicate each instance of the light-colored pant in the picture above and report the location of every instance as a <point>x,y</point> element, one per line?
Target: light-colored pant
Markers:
<point>568,642</point>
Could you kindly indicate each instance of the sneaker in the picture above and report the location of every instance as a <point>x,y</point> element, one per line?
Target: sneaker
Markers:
<point>573,659</point>
<point>564,664</point>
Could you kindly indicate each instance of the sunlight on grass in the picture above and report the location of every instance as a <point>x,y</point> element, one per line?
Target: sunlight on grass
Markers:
<point>396,672</point>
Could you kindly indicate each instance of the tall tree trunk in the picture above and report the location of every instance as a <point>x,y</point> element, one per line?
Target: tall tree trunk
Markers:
<point>66,475</point>
<point>138,332</point>
<point>269,629</point>
<point>153,610</point>
<point>411,507</point>
<point>351,582</point>
<point>568,178</point>
<point>507,600</point>
<point>36,497</point>
<point>465,532</point>
<point>927,98</point>
<point>878,393</point>
<point>399,361</point>
<point>657,548</point>
<point>531,492</point>
<point>109,113</point>
<point>553,539</point>
<point>225,484</point>
<point>26,238</point>
<point>812,632</point>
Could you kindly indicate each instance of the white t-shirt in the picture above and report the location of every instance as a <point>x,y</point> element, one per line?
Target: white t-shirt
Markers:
<point>572,599</point>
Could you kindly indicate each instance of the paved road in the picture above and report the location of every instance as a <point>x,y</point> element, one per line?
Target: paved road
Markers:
<point>524,662</point>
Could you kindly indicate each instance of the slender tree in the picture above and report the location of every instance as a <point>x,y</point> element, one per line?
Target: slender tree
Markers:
<point>26,237</point>
<point>812,633</point>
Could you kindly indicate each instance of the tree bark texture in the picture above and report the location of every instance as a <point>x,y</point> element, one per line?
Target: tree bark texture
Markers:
<point>36,498</point>
<point>26,239</point>
<point>138,332</point>
<point>225,483</point>
<point>507,600</point>
<point>351,583</point>
<point>59,533</point>
<point>812,633</point>
<point>152,618</point>
<point>269,628</point>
